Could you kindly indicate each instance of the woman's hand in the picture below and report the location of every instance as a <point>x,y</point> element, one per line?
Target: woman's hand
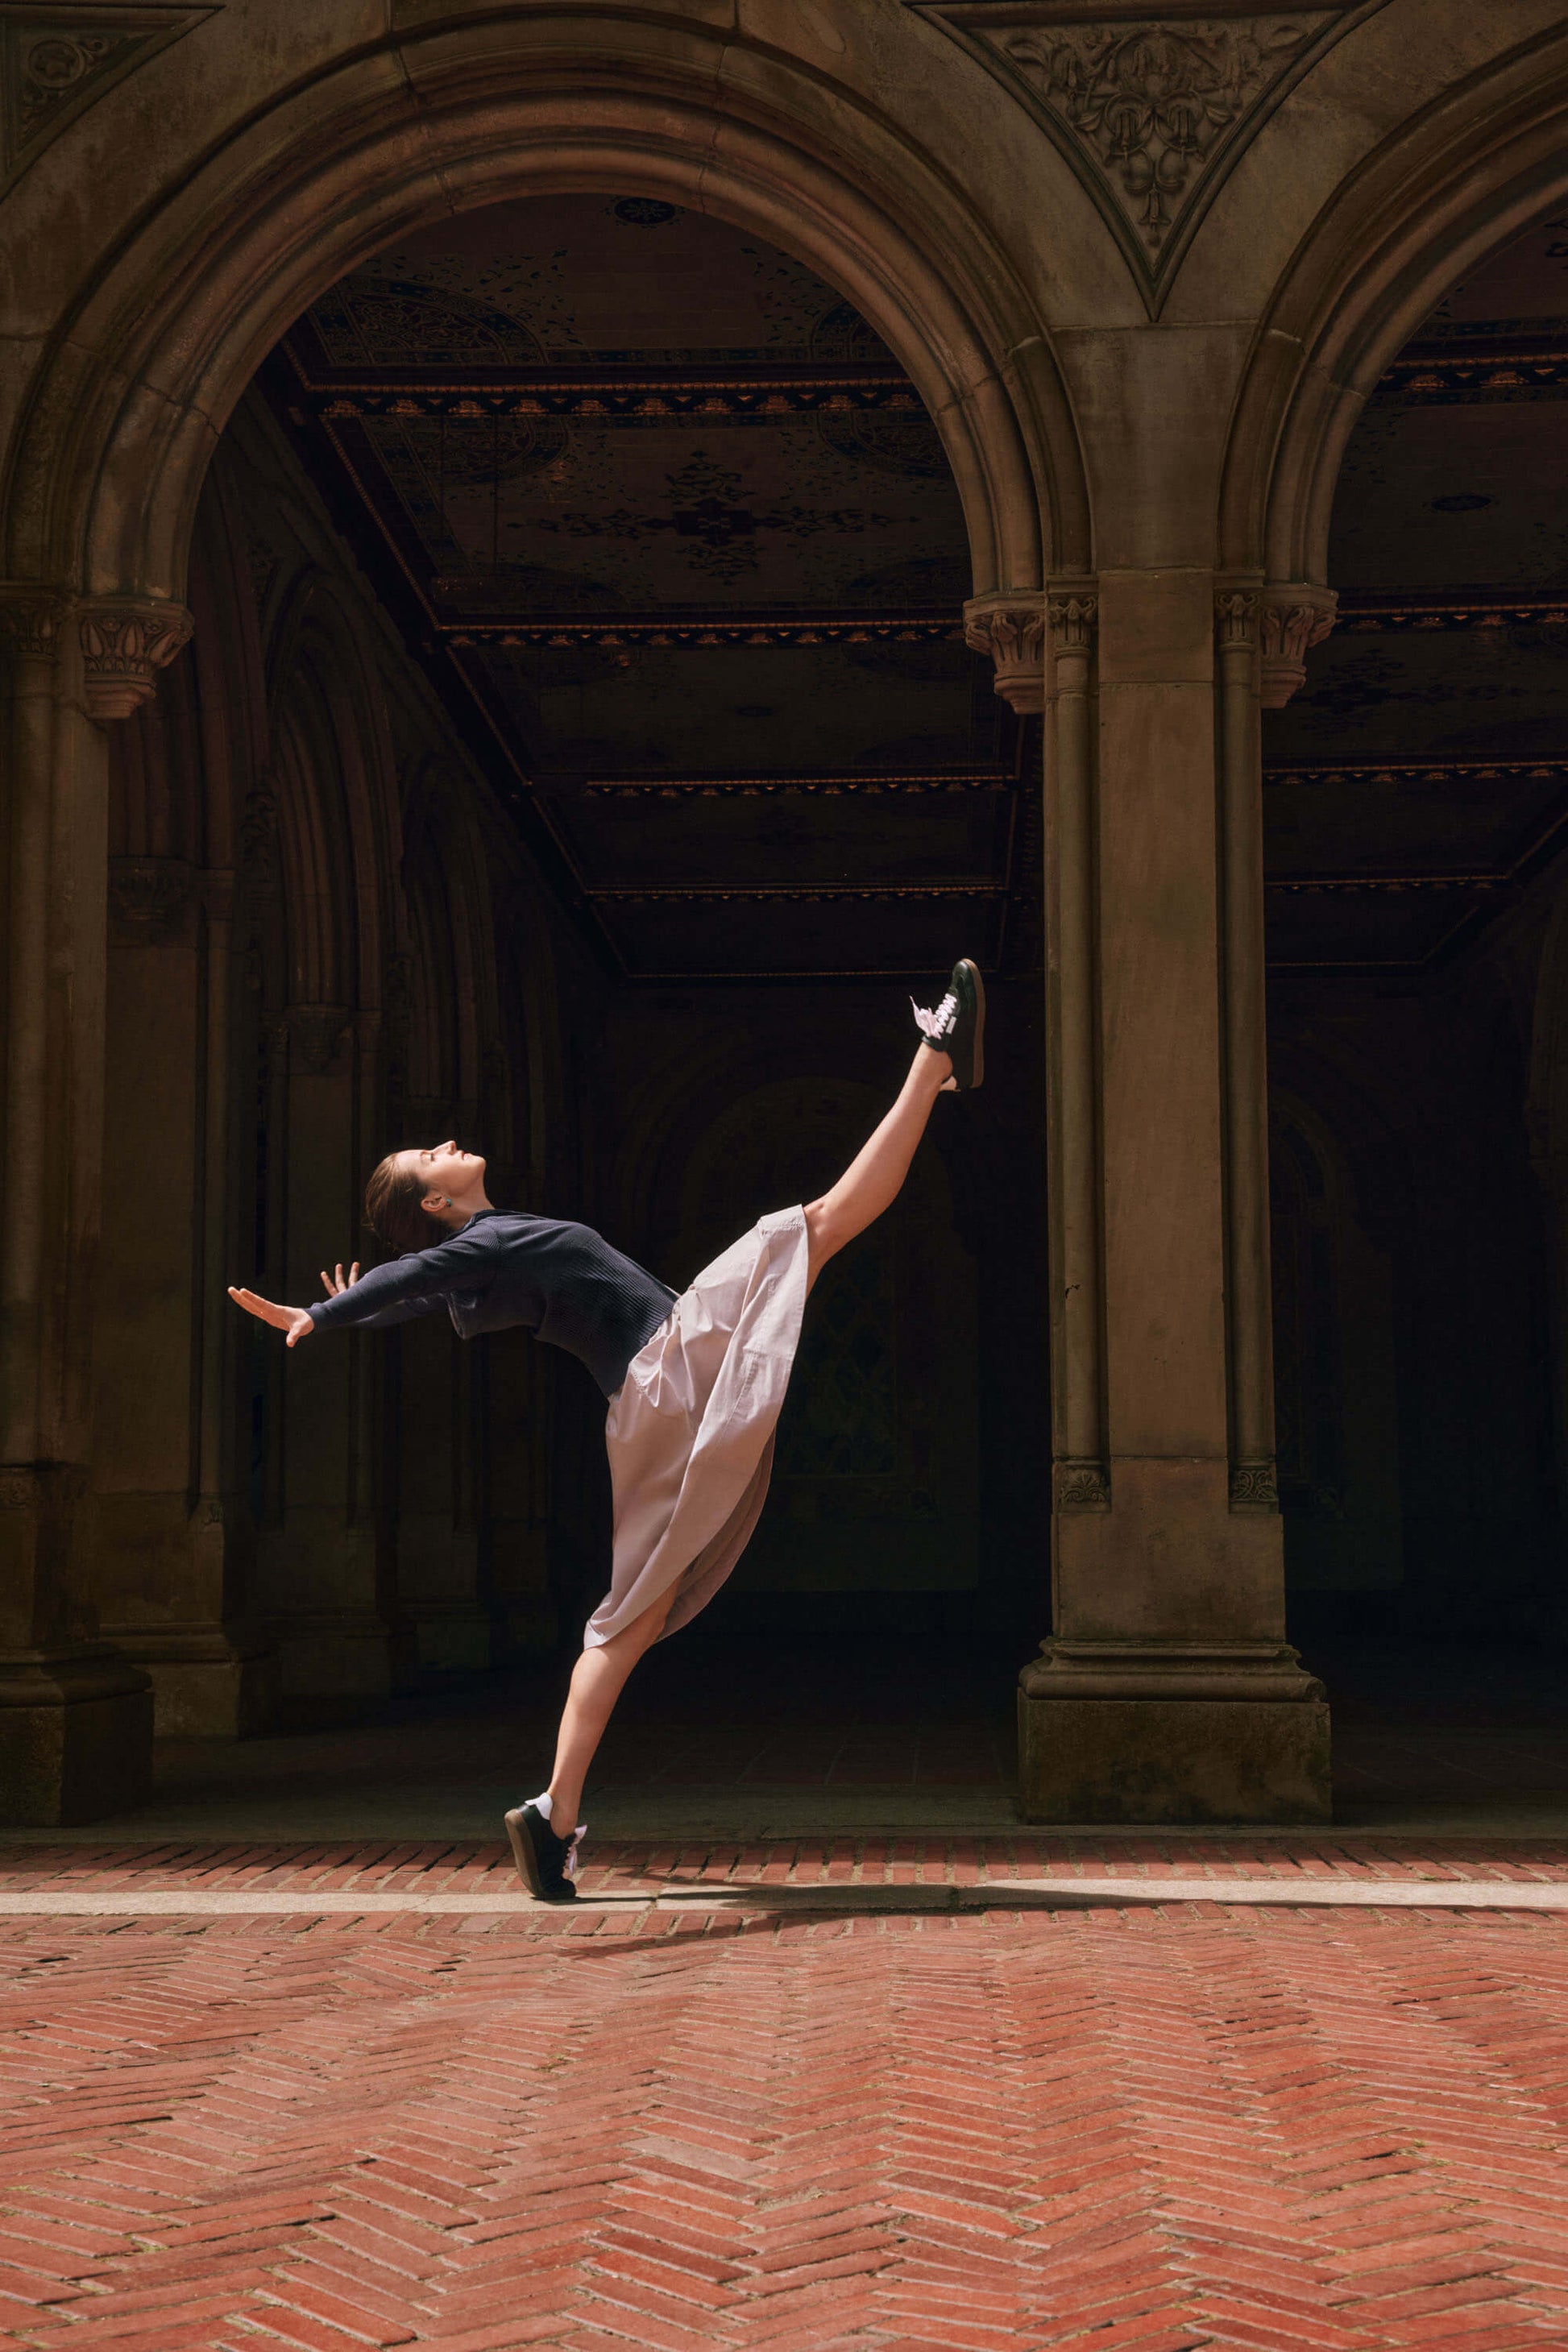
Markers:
<point>333,1283</point>
<point>293,1321</point>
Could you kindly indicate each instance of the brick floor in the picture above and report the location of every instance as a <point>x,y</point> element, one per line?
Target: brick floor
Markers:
<point>1155,2127</point>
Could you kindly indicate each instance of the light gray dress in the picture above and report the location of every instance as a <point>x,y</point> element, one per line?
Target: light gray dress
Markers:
<point>691,1430</point>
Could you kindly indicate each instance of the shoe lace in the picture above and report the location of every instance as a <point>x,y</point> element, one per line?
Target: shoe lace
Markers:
<point>941,1021</point>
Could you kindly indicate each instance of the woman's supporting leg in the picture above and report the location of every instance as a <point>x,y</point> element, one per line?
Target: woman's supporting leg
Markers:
<point>875,1177</point>
<point>599,1679</point>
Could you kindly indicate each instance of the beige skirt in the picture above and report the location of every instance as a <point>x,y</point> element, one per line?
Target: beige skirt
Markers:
<point>691,1430</point>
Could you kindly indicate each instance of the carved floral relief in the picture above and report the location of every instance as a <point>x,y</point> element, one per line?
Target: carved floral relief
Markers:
<point>55,61</point>
<point>1151,114</point>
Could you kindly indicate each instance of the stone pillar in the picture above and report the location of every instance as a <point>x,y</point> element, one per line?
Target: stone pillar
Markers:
<point>172,1550</point>
<point>75,1715</point>
<point>1249,1320</point>
<point>320,1564</point>
<point>1167,1691</point>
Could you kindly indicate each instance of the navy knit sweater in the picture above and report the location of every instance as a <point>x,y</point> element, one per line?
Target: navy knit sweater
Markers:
<point>560,1280</point>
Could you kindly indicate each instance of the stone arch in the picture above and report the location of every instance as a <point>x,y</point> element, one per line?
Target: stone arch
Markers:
<point>128,406</point>
<point>1478,163</point>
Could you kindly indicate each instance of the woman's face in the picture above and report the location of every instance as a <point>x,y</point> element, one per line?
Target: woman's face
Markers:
<point>447,1171</point>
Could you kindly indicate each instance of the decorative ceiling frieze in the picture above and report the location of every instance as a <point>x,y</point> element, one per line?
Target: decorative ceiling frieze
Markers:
<point>1450,611</point>
<point>738,627</point>
<point>1479,370</point>
<point>1150,106</point>
<point>57,61</point>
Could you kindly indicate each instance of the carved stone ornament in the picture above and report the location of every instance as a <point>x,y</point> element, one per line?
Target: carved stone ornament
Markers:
<point>1253,1486</point>
<point>146,894</point>
<point>1012,630</point>
<point>1291,621</point>
<point>1080,1486</point>
<point>1151,112</point>
<point>1235,615</point>
<point>30,620</point>
<point>1072,620</point>
<point>54,61</point>
<point>124,641</point>
<point>318,1034</point>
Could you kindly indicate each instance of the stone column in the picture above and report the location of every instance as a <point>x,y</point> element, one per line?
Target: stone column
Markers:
<point>1166,1691</point>
<point>1249,1321</point>
<point>1080,1477</point>
<point>320,1567</point>
<point>173,1551</point>
<point>75,1715</point>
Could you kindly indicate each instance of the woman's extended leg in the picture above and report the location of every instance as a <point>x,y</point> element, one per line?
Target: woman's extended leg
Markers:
<point>599,1679</point>
<point>874,1178</point>
<point>868,1186</point>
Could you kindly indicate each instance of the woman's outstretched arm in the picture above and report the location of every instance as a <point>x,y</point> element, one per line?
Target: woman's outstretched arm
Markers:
<point>394,1293</point>
<point>295,1320</point>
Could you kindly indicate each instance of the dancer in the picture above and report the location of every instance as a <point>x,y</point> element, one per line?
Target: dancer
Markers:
<point>695,1382</point>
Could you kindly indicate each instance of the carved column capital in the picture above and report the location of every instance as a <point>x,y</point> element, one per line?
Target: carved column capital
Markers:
<point>1254,1487</point>
<point>1072,616</point>
<point>1080,1486</point>
<point>124,641</point>
<point>1235,612</point>
<point>146,895</point>
<point>31,618</point>
<point>1294,617</point>
<point>1011,628</point>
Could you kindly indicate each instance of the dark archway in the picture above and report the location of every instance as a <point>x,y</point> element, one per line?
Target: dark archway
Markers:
<point>1416,799</point>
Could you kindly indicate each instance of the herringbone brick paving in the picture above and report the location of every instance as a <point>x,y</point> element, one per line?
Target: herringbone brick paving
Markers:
<point>1117,2130</point>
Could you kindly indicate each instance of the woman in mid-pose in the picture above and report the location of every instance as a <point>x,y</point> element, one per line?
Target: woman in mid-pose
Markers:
<point>695,1382</point>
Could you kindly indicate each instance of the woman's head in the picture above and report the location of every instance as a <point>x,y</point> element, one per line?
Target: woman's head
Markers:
<point>418,1196</point>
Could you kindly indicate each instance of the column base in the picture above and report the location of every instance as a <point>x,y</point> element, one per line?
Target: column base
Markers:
<point>207,1684</point>
<point>76,1738</point>
<point>1113,1732</point>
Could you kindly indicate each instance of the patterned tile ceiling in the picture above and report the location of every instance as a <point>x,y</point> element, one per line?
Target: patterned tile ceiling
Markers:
<point>665,512</point>
<point>1432,751</point>
<point>671,510</point>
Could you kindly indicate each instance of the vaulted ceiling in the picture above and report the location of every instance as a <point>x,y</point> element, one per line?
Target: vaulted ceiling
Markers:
<point>681,545</point>
<point>686,542</point>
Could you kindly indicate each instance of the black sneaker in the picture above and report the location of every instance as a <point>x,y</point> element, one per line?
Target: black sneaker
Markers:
<point>546,1864</point>
<point>957,1026</point>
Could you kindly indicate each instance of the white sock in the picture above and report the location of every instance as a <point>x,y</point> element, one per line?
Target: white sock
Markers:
<point>541,1807</point>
